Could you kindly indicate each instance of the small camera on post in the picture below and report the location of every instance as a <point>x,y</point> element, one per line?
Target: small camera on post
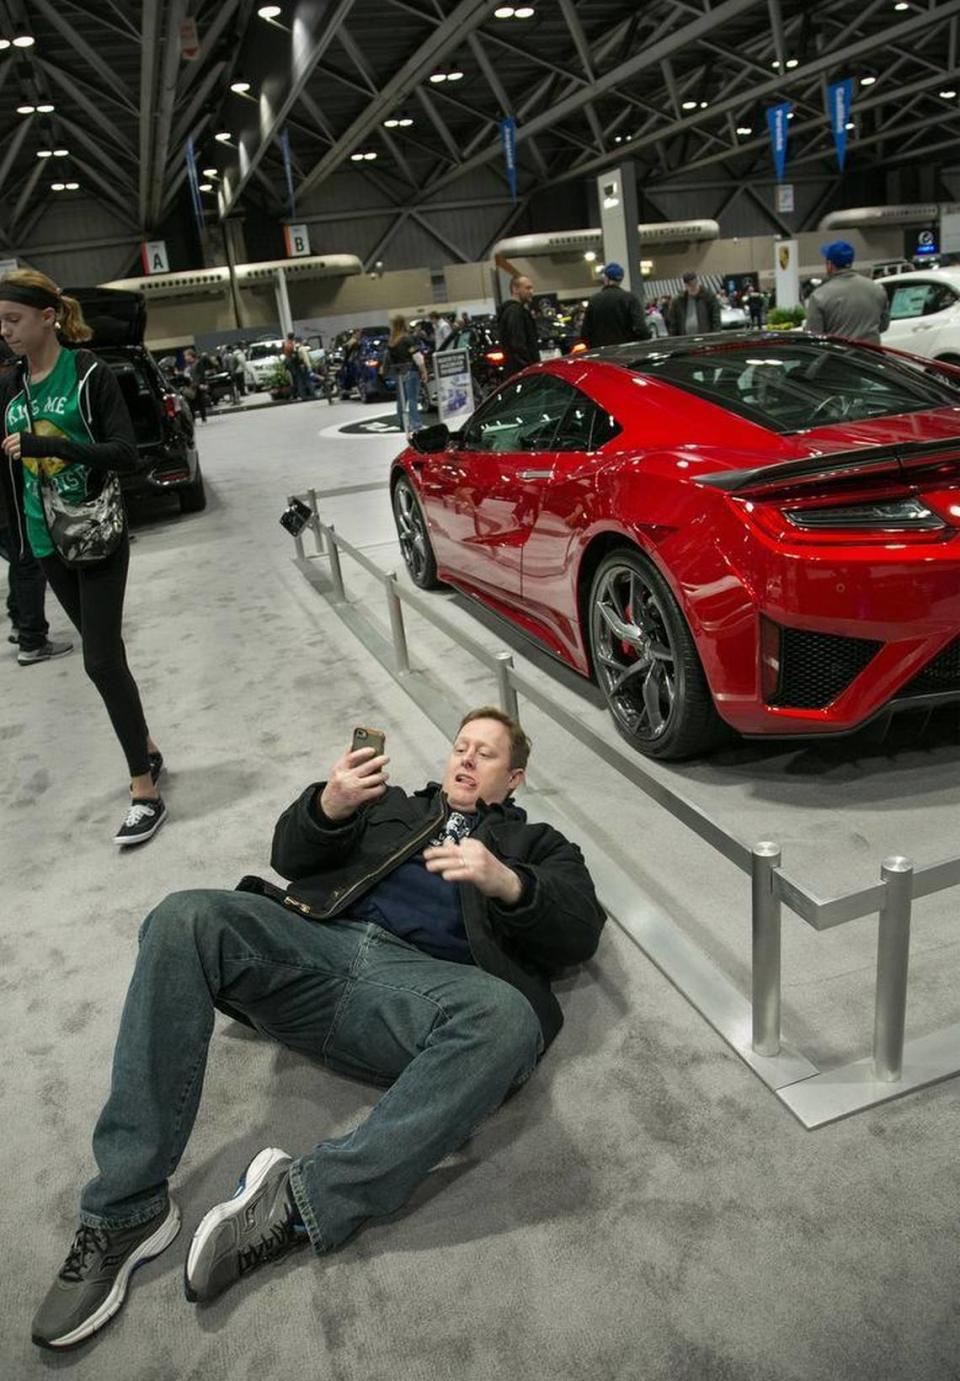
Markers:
<point>295,517</point>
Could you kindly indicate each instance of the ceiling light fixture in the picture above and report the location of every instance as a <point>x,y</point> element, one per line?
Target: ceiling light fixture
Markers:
<point>504,12</point>
<point>390,124</point>
<point>24,41</point>
<point>454,76</point>
<point>591,256</point>
<point>268,11</point>
<point>44,153</point>
<point>60,153</point>
<point>241,88</point>
<point>793,62</point>
<point>57,186</point>
<point>223,137</point>
<point>369,157</point>
<point>902,5</point>
<point>405,122</point>
<point>948,95</point>
<point>790,114</point>
<point>72,186</point>
<point>25,109</point>
<point>210,172</point>
<point>4,43</point>
<point>867,81</point>
<point>524,12</point>
<point>744,129</point>
<point>849,125</point>
<point>437,77</point>
<point>46,109</point>
<point>689,105</point>
<point>206,186</point>
<point>356,158</point>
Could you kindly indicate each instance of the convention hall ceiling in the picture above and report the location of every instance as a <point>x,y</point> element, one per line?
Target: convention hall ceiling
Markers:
<point>680,85</point>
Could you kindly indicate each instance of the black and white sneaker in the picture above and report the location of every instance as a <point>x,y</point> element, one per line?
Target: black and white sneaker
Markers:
<point>156,765</point>
<point>143,818</point>
<point>92,1283</point>
<point>260,1223</point>
<point>46,652</point>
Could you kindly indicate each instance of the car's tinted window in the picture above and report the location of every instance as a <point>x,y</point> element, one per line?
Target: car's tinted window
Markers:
<point>584,426</point>
<point>792,386</point>
<point>261,350</point>
<point>523,415</point>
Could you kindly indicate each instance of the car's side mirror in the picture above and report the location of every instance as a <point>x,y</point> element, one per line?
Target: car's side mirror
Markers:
<point>429,440</point>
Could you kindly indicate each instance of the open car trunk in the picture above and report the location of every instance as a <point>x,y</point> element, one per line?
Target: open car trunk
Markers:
<point>114,316</point>
<point>138,394</point>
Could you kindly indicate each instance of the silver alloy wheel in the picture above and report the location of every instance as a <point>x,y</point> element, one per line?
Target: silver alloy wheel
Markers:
<point>634,654</point>
<point>411,531</point>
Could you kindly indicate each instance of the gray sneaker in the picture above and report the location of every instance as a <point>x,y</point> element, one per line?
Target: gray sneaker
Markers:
<point>28,657</point>
<point>93,1280</point>
<point>260,1223</point>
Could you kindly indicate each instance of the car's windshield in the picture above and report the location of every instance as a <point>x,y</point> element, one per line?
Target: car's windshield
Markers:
<point>792,386</point>
<point>261,349</point>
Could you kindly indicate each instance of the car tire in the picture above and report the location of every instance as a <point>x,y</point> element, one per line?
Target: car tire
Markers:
<point>663,708</point>
<point>193,497</point>
<point>415,547</point>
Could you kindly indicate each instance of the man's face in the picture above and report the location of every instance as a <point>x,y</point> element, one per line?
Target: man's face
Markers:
<point>522,289</point>
<point>479,766</point>
<point>693,287</point>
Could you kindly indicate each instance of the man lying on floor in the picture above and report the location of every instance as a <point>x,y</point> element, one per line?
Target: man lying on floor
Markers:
<point>413,948</point>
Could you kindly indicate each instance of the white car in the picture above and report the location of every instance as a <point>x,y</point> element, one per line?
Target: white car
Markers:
<point>263,356</point>
<point>925,313</point>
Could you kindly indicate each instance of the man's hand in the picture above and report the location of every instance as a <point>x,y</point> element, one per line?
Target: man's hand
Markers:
<point>471,861</point>
<point>11,445</point>
<point>355,780</point>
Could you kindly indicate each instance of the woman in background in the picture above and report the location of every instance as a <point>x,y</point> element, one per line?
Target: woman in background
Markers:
<point>404,360</point>
<point>63,409</point>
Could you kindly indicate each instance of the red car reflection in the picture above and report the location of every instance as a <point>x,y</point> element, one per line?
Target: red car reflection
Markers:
<point>759,530</point>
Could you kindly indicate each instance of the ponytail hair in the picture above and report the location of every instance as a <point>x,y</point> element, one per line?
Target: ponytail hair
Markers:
<point>35,289</point>
<point>70,320</point>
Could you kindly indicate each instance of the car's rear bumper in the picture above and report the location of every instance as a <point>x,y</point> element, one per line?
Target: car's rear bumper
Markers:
<point>162,472</point>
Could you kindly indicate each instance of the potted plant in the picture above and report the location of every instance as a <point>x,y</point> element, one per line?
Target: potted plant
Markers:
<point>279,382</point>
<point>785,318</point>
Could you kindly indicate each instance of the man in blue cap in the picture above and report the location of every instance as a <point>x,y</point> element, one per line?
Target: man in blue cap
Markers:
<point>614,316</point>
<point>847,304</point>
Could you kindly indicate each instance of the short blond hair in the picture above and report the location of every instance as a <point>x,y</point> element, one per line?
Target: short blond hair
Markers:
<point>520,744</point>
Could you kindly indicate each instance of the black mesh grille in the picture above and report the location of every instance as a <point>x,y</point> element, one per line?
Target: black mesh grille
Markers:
<point>816,667</point>
<point>939,676</point>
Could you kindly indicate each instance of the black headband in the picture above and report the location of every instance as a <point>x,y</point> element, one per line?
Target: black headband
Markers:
<point>28,295</point>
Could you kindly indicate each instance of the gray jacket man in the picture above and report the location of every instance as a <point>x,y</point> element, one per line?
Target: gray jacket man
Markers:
<point>847,304</point>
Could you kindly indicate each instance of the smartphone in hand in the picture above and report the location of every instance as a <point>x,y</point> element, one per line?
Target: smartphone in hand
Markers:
<point>368,738</point>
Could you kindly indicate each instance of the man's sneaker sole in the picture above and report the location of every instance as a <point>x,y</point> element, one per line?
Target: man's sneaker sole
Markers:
<point>147,1250</point>
<point>249,1185</point>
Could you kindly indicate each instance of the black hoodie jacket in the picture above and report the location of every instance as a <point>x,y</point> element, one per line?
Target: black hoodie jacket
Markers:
<point>112,445</point>
<point>557,923</point>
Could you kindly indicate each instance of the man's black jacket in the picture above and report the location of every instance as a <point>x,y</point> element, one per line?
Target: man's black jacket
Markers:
<point>518,336</point>
<point>112,445</point>
<point>614,317</point>
<point>332,864</point>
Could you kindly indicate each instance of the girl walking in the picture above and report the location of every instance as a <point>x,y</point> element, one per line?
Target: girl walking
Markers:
<point>62,409</point>
<point>405,361</point>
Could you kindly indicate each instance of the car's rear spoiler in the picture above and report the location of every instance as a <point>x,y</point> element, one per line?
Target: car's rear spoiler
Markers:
<point>902,456</point>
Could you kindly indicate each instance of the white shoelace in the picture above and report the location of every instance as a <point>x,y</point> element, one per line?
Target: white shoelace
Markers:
<point>136,813</point>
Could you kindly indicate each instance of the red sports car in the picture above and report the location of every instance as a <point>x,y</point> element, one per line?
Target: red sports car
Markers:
<point>761,530</point>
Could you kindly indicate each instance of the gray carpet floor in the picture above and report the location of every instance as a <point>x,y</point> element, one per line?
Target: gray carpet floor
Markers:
<point>645,1210</point>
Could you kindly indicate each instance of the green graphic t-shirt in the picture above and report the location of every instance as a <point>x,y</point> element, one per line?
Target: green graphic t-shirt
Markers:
<point>56,412</point>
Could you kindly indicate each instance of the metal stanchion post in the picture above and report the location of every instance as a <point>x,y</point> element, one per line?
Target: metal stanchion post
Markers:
<point>336,574</point>
<point>298,540</point>
<point>317,534</point>
<point>396,625</point>
<point>893,960</point>
<point>508,695</point>
<point>766,950</point>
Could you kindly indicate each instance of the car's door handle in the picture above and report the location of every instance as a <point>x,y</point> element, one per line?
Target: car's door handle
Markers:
<point>534,474</point>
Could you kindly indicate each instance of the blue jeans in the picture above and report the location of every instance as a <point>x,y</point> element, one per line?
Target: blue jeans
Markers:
<point>408,386</point>
<point>450,1040</point>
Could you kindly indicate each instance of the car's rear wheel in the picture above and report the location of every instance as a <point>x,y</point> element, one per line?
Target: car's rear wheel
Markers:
<point>415,545</point>
<point>646,661</point>
<point>193,498</point>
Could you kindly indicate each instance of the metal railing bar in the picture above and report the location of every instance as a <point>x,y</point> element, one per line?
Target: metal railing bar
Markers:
<point>934,877</point>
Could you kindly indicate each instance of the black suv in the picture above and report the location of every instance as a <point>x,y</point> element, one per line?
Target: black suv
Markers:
<point>162,420</point>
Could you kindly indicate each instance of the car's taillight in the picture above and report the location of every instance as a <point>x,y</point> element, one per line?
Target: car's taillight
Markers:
<point>871,520</point>
<point>171,404</point>
<point>495,357</point>
<point>578,347</point>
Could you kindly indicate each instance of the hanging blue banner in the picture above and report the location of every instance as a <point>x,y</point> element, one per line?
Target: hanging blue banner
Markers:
<point>839,98</point>
<point>194,184</point>
<point>288,169</point>
<point>508,134</point>
<point>777,124</point>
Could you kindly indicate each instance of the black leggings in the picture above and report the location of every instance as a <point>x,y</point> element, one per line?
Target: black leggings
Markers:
<point>93,600</point>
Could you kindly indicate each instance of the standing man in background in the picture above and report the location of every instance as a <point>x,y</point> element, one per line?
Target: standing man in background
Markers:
<point>518,330</point>
<point>695,311</point>
<point>847,304</point>
<point>614,315</point>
